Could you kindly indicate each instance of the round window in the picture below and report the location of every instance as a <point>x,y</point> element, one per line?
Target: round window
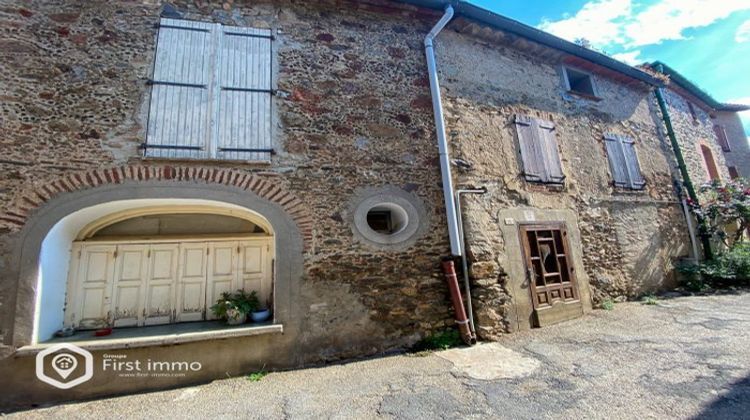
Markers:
<point>388,217</point>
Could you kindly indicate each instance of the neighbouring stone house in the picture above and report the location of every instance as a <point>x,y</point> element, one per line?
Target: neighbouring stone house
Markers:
<point>710,133</point>
<point>158,154</point>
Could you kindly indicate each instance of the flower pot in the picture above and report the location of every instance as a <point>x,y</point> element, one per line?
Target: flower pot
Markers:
<point>260,316</point>
<point>235,317</point>
<point>237,321</point>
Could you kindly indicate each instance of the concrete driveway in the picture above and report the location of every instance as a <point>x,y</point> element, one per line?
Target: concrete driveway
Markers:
<point>684,357</point>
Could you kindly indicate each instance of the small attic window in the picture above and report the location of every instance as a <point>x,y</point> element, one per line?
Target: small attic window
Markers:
<point>579,82</point>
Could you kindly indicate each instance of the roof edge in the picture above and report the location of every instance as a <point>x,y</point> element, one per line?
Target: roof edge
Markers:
<point>471,11</point>
<point>699,93</point>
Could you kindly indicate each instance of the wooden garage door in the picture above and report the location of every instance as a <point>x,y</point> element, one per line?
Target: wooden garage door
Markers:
<point>553,288</point>
<point>137,284</point>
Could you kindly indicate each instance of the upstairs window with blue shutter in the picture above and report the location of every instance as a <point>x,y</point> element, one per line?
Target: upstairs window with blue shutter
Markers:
<point>623,161</point>
<point>539,154</point>
<point>211,93</point>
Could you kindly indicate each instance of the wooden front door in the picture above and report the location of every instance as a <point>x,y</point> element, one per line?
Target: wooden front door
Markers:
<point>551,277</point>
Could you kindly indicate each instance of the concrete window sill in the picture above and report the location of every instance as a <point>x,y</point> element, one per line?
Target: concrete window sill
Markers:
<point>584,95</point>
<point>154,336</point>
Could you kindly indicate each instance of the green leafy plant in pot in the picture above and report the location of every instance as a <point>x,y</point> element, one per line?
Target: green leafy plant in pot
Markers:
<point>234,307</point>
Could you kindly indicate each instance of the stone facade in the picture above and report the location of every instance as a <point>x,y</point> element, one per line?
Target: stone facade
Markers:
<point>353,110</point>
<point>353,115</point>
<point>692,132</point>
<point>628,239</point>
<point>739,155</point>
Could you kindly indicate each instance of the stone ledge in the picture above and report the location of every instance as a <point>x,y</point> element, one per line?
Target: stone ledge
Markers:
<point>159,340</point>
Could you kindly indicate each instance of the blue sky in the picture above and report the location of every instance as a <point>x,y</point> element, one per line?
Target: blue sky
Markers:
<point>707,41</point>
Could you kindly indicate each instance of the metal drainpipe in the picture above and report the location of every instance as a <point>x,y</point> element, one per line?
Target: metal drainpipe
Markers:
<point>464,265</point>
<point>691,229</point>
<point>437,107</point>
<point>705,239</point>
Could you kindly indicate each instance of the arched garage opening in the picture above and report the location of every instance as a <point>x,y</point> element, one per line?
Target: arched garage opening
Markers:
<point>142,262</point>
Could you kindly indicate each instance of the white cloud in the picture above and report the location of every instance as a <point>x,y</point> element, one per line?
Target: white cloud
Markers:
<point>597,21</point>
<point>668,19</point>
<point>743,32</point>
<point>630,57</point>
<point>608,23</point>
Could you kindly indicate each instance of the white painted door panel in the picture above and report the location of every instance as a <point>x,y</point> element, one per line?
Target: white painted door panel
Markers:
<point>222,267</point>
<point>159,283</point>
<point>95,275</point>
<point>254,268</point>
<point>191,289</point>
<point>130,274</point>
<point>160,286</point>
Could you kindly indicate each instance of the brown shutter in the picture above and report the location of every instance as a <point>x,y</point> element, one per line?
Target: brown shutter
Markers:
<point>550,154</point>
<point>733,173</point>
<point>623,160</point>
<point>616,158</point>
<point>631,161</point>
<point>721,137</point>
<point>531,155</point>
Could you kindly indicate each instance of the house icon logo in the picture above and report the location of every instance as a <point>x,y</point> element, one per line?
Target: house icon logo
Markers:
<point>64,365</point>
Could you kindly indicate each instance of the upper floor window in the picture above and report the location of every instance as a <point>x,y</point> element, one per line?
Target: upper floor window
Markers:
<point>623,161</point>
<point>541,160</point>
<point>211,93</point>
<point>721,137</point>
<point>579,82</point>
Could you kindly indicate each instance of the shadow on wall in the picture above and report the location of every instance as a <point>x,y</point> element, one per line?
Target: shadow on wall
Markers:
<point>734,404</point>
<point>649,271</point>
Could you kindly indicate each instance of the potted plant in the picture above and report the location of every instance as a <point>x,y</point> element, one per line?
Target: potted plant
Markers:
<point>234,307</point>
<point>261,315</point>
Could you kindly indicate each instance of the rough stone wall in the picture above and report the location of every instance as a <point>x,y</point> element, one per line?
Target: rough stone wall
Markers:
<point>739,156</point>
<point>353,110</point>
<point>690,134</point>
<point>629,238</point>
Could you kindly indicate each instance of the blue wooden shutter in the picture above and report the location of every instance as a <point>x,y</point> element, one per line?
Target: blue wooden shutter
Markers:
<point>243,129</point>
<point>180,108</point>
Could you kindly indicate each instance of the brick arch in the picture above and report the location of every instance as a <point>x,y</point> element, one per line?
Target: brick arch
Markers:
<point>16,217</point>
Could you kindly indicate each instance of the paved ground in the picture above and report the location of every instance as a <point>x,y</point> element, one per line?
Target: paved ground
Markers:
<point>685,357</point>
